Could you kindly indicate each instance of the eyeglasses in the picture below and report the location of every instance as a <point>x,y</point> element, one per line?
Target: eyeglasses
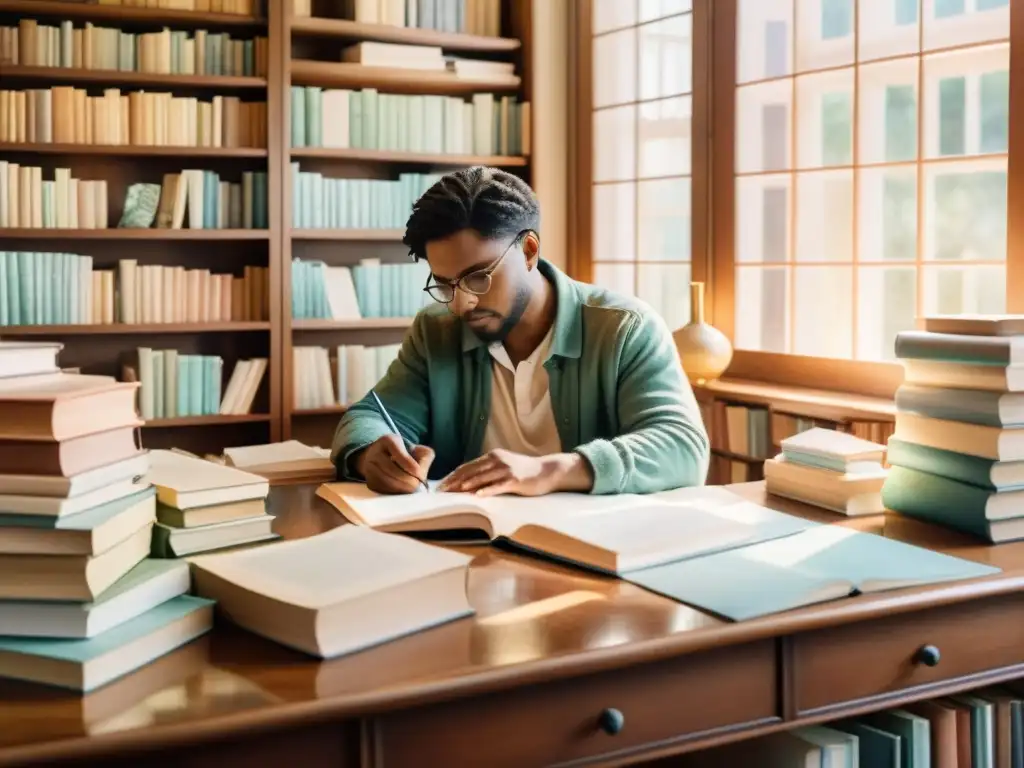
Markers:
<point>477,283</point>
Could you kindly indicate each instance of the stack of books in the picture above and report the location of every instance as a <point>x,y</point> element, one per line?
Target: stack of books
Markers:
<point>80,602</point>
<point>957,454</point>
<point>202,506</point>
<point>829,469</point>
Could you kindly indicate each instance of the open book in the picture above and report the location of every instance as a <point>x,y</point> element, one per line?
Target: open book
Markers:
<point>824,562</point>
<point>614,534</point>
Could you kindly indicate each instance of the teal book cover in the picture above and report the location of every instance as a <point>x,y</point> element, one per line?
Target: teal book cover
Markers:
<point>914,733</point>
<point>821,563</point>
<point>877,748</point>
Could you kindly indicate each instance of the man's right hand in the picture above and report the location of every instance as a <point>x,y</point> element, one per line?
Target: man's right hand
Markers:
<point>388,468</point>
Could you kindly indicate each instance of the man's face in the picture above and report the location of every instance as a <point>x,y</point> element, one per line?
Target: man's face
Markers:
<point>467,257</point>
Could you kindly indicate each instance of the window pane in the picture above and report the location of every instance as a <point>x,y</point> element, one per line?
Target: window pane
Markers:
<point>664,220</point>
<point>887,28</point>
<point>824,215</point>
<point>825,119</point>
<point>950,290</point>
<point>965,211</point>
<point>763,125</point>
<point>886,305</point>
<point>615,68</point>
<point>966,106</point>
<point>666,287</point>
<point>614,222</point>
<point>823,311</point>
<point>656,9</point>
<point>949,23</point>
<point>665,137</point>
<point>613,14</point>
<point>616,277</point>
<point>764,39</point>
<point>762,316</point>
<point>762,218</point>
<point>666,55</point>
<point>824,34</point>
<point>615,144</point>
<point>887,112</point>
<point>887,213</point>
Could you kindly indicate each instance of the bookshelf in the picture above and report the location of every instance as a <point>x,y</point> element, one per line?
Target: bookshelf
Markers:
<point>300,50</point>
<point>144,149</point>
<point>313,60</point>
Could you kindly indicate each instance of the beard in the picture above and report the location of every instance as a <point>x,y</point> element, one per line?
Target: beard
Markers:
<point>508,322</point>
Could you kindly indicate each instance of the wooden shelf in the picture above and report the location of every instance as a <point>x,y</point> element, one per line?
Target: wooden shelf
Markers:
<point>386,33</point>
<point>354,235</point>
<point>119,78</point>
<point>409,158</point>
<point>394,80</point>
<point>123,329</point>
<point>67,10</point>
<point>114,233</point>
<point>365,324</point>
<point>132,150</point>
<point>328,410</point>
<point>206,421</point>
<point>811,403</point>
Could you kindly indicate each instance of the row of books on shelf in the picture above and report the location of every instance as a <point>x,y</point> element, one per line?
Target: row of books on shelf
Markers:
<point>983,727</point>
<point>233,7</point>
<point>65,289</point>
<point>319,202</point>
<point>474,17</point>
<point>178,385</point>
<point>209,202</point>
<point>327,377</point>
<point>369,289</point>
<point>28,201</point>
<point>431,58</point>
<point>366,119</point>
<point>68,115</point>
<point>167,52</point>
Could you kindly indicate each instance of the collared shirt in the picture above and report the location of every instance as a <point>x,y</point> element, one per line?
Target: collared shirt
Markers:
<point>521,418</point>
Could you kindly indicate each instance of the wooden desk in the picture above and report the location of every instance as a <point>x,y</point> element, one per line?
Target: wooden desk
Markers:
<point>524,683</point>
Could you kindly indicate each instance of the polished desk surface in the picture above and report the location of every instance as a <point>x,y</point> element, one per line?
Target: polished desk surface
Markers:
<point>535,621</point>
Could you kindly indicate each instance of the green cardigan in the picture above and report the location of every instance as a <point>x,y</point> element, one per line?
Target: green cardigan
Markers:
<point>618,393</point>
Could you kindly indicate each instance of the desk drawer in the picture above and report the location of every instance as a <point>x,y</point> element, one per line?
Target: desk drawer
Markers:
<point>874,658</point>
<point>557,722</point>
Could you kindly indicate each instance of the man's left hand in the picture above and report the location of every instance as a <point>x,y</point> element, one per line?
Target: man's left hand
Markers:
<point>502,471</point>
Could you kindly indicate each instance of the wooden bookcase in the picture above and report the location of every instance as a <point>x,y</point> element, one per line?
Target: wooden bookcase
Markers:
<point>301,51</point>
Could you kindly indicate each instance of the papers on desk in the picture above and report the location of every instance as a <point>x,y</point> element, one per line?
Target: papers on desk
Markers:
<point>613,534</point>
<point>821,563</point>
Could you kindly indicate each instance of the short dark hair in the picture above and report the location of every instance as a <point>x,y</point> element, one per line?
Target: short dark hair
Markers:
<point>492,202</point>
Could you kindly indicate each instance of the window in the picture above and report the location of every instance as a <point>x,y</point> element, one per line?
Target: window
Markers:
<point>640,118</point>
<point>870,166</point>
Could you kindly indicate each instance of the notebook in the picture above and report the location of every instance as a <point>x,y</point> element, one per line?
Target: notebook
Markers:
<point>612,534</point>
<point>821,563</point>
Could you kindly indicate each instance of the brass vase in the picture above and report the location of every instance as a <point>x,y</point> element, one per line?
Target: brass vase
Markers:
<point>703,349</point>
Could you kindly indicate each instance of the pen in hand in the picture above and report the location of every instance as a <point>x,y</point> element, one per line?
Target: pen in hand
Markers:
<point>391,425</point>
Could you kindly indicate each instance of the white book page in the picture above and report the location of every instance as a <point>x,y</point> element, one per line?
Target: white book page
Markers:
<point>330,568</point>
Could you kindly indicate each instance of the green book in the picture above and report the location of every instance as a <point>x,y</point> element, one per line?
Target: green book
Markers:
<point>876,748</point>
<point>914,732</point>
<point>84,665</point>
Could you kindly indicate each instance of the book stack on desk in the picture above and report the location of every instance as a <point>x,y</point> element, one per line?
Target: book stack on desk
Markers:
<point>287,462</point>
<point>829,469</point>
<point>981,728</point>
<point>80,603</point>
<point>203,506</point>
<point>957,454</point>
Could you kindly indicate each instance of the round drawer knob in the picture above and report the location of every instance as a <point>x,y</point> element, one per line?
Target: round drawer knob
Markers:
<point>928,655</point>
<point>611,721</point>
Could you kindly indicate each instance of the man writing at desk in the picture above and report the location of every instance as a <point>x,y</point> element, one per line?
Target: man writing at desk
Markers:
<point>520,380</point>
